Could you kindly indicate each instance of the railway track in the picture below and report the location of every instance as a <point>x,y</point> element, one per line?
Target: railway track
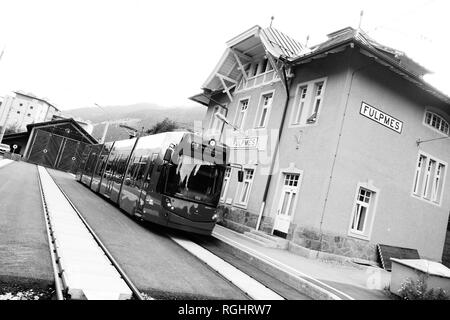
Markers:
<point>250,286</point>
<point>83,267</point>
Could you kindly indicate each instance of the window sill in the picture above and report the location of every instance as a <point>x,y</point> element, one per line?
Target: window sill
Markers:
<point>303,125</point>
<point>240,205</point>
<point>437,204</point>
<point>436,130</point>
<point>358,236</point>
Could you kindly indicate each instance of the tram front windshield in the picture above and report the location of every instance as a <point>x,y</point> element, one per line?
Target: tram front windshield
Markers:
<point>195,180</point>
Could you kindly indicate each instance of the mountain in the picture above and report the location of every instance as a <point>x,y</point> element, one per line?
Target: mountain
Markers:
<point>137,116</point>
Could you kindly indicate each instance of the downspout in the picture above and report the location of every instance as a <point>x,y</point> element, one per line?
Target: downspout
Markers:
<point>269,179</point>
<point>339,138</point>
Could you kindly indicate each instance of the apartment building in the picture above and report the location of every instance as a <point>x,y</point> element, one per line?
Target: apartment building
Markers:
<point>343,144</point>
<point>20,109</point>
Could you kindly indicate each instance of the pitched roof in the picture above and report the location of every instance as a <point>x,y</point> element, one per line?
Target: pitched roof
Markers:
<point>67,121</point>
<point>256,40</point>
<point>281,42</point>
<point>396,60</point>
<point>349,33</point>
<point>34,97</point>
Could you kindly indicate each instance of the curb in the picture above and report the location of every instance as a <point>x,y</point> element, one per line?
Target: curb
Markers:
<point>313,288</point>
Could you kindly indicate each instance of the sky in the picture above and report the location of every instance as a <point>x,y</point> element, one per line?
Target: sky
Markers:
<point>118,52</point>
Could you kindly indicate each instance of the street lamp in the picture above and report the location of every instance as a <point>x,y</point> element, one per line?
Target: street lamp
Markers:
<point>222,118</point>
<point>105,130</point>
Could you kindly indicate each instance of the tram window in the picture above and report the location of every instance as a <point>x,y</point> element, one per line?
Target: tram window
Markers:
<point>101,166</point>
<point>162,179</point>
<point>130,170</point>
<point>120,168</point>
<point>115,167</point>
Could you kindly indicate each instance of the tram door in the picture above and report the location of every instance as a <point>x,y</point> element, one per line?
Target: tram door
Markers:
<point>146,202</point>
<point>108,176</point>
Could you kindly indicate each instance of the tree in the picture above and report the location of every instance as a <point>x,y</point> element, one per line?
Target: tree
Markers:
<point>163,126</point>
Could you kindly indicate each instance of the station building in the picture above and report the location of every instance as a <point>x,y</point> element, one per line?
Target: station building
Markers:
<point>344,145</point>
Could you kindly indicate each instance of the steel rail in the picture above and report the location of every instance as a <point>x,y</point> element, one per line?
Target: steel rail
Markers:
<point>51,242</point>
<point>127,280</point>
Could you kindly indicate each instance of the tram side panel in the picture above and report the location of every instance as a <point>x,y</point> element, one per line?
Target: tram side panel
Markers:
<point>82,164</point>
<point>139,170</point>
<point>90,165</point>
<point>107,173</point>
<point>100,167</point>
<point>124,150</point>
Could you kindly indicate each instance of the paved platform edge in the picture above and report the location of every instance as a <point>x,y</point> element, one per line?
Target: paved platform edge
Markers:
<point>311,287</point>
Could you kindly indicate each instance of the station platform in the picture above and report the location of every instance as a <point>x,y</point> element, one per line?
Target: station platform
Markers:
<point>351,282</point>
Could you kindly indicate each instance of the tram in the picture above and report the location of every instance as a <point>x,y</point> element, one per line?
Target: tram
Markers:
<point>172,179</point>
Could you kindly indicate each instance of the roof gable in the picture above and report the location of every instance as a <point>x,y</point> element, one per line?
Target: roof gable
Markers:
<point>66,127</point>
<point>249,45</point>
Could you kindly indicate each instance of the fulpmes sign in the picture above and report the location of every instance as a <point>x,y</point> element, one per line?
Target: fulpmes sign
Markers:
<point>381,117</point>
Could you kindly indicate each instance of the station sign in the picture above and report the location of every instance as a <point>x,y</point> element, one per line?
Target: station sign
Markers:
<point>381,117</point>
<point>244,143</point>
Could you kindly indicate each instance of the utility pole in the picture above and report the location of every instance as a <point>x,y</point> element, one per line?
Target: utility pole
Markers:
<point>105,130</point>
<point>3,126</point>
<point>360,19</point>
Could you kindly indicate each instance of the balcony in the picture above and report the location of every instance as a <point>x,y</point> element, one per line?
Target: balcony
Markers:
<point>258,80</point>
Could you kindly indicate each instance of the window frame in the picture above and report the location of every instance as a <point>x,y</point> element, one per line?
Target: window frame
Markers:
<point>440,116</point>
<point>238,110</point>
<point>297,112</point>
<point>260,109</point>
<point>226,185</point>
<point>309,102</point>
<point>419,192</point>
<point>370,213</point>
<point>240,188</point>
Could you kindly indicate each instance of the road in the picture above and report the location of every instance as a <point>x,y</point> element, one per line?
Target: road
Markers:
<point>24,248</point>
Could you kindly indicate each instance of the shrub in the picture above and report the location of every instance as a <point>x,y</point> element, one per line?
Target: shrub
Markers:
<point>417,290</point>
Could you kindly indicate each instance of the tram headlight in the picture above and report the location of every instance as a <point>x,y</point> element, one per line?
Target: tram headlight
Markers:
<point>215,217</point>
<point>167,202</point>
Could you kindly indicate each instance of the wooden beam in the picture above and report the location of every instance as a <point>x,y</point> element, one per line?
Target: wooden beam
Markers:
<point>241,66</point>
<point>232,68</point>
<point>224,77</point>
<point>225,86</point>
<point>275,67</point>
<point>241,55</point>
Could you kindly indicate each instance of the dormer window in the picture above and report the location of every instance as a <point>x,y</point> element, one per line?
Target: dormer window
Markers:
<point>437,122</point>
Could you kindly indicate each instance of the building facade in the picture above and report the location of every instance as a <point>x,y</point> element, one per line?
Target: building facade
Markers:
<point>343,145</point>
<point>20,109</point>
